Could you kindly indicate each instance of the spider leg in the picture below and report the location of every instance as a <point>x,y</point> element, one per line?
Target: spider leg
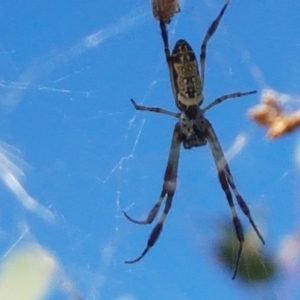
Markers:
<point>224,180</point>
<point>236,221</point>
<point>169,187</point>
<point>154,109</point>
<point>222,163</point>
<point>211,30</point>
<point>155,232</point>
<point>164,34</point>
<point>241,202</point>
<point>225,97</point>
<point>152,214</point>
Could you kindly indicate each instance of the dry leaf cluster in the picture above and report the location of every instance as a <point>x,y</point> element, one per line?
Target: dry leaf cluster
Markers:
<point>164,10</point>
<point>271,115</point>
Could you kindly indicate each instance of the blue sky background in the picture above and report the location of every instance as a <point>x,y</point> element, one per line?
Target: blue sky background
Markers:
<point>68,71</point>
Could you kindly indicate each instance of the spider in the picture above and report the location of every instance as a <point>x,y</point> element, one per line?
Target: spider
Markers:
<point>192,130</point>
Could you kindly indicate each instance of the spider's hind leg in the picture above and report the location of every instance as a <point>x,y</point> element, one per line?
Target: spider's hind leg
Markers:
<point>165,38</point>
<point>210,32</point>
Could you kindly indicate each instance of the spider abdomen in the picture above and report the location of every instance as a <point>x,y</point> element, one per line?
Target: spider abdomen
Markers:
<point>186,80</point>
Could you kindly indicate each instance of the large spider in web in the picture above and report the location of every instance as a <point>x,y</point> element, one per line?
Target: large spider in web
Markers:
<point>193,130</point>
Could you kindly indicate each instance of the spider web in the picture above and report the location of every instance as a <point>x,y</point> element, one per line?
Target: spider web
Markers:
<point>74,153</point>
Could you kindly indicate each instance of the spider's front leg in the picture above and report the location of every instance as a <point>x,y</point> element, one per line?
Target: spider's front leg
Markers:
<point>168,189</point>
<point>227,182</point>
<point>242,204</point>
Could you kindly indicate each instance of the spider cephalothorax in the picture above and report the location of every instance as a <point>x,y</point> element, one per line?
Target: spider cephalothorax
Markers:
<point>193,130</point>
